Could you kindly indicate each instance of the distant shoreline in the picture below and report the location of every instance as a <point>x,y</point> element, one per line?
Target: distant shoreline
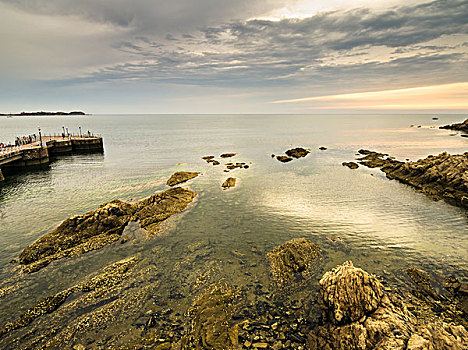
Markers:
<point>35,114</point>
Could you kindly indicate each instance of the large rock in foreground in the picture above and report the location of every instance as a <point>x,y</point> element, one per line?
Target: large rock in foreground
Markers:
<point>359,315</point>
<point>181,176</point>
<point>292,259</point>
<point>98,228</point>
<point>440,177</point>
<point>458,126</point>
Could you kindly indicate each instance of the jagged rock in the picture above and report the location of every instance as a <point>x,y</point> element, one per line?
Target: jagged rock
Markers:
<point>208,158</point>
<point>284,159</point>
<point>228,155</point>
<point>459,126</point>
<point>230,182</point>
<point>438,337</point>
<point>439,177</point>
<point>96,229</point>
<point>350,165</point>
<point>292,259</point>
<point>298,152</point>
<point>212,326</point>
<point>181,176</point>
<point>349,293</point>
<point>359,315</point>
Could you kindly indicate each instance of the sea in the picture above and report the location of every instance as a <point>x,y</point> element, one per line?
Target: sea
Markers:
<point>381,225</point>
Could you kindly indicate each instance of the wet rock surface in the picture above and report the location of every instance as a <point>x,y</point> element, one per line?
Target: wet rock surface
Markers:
<point>359,314</point>
<point>180,177</point>
<point>109,277</point>
<point>292,259</point>
<point>96,229</point>
<point>439,177</point>
<point>229,183</point>
<point>458,126</point>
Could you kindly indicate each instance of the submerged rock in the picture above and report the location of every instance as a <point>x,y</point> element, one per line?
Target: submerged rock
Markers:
<point>291,259</point>
<point>459,126</point>
<point>230,182</point>
<point>96,229</point>
<point>350,165</point>
<point>358,314</point>
<point>157,208</point>
<point>181,176</point>
<point>439,177</point>
<point>211,325</point>
<point>284,159</point>
<point>298,152</point>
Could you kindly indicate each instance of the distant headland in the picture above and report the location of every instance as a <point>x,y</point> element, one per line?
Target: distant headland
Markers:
<point>42,114</point>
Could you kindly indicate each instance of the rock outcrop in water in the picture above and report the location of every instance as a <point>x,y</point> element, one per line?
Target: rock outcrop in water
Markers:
<point>350,165</point>
<point>298,152</point>
<point>230,182</point>
<point>440,177</point>
<point>180,177</point>
<point>292,259</point>
<point>459,126</point>
<point>96,229</point>
<point>358,314</point>
<point>284,159</point>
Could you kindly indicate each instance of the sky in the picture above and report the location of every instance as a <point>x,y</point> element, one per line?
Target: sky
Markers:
<point>225,56</point>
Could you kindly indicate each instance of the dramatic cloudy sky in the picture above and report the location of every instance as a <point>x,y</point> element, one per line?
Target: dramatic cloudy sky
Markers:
<point>233,56</point>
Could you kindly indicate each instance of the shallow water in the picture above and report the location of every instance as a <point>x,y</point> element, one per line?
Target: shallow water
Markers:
<point>385,226</point>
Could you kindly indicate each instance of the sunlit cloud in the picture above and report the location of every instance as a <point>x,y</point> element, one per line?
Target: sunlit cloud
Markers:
<point>445,96</point>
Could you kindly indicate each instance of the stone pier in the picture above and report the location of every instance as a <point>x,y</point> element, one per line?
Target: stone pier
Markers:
<point>35,155</point>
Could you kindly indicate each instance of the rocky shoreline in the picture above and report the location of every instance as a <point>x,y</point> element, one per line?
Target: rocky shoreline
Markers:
<point>122,306</point>
<point>458,126</point>
<point>350,309</point>
<point>439,177</point>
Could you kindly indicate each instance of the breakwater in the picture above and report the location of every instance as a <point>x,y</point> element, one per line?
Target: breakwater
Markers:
<point>16,159</point>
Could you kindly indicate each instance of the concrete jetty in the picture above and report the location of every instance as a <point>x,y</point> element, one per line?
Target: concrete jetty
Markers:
<point>39,154</point>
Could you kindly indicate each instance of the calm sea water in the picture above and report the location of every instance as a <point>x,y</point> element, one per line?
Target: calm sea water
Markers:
<point>384,225</point>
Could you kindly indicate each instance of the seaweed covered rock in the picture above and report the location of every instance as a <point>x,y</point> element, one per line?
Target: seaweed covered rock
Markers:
<point>358,314</point>
<point>157,208</point>
<point>96,229</point>
<point>292,259</point>
<point>211,325</point>
<point>181,176</point>
<point>458,126</point>
<point>298,152</point>
<point>439,177</point>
